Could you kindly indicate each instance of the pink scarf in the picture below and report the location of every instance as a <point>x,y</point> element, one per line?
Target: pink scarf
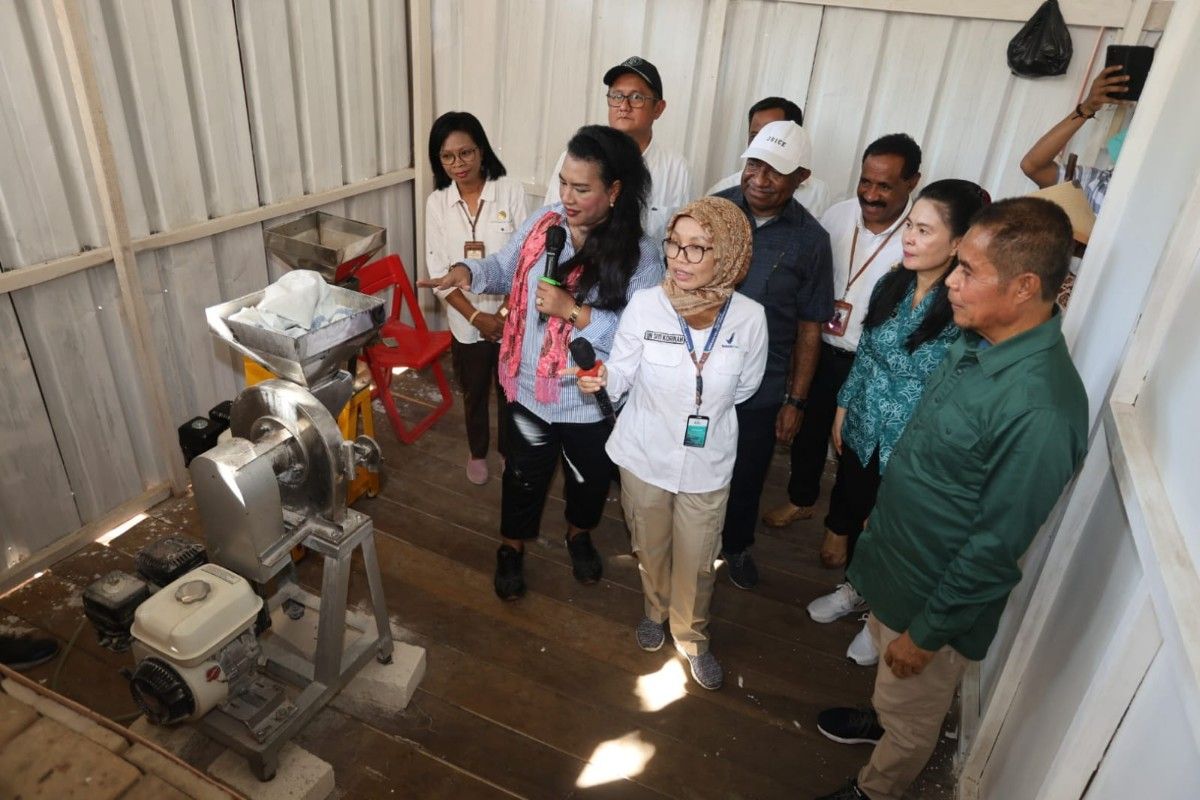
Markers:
<point>553,357</point>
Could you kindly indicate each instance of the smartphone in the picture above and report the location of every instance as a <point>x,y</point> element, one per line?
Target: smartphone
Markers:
<point>1135,61</point>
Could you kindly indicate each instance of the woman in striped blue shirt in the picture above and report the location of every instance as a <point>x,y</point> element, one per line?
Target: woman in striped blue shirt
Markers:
<point>606,258</point>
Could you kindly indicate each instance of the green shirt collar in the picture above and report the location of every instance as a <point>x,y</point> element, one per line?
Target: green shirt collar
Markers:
<point>997,357</point>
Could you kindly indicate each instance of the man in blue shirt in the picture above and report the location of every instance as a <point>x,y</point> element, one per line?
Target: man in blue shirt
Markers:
<point>791,275</point>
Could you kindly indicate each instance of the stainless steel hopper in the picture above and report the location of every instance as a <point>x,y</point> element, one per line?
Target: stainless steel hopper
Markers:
<point>332,246</point>
<point>309,358</point>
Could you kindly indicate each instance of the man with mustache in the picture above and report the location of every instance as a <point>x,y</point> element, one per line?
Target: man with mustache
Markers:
<point>635,101</point>
<point>865,235</point>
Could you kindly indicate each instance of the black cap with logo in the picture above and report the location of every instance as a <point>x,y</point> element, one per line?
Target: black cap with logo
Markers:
<point>640,67</point>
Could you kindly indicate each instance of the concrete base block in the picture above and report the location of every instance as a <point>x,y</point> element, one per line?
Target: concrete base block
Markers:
<point>378,689</point>
<point>301,776</point>
<point>384,689</point>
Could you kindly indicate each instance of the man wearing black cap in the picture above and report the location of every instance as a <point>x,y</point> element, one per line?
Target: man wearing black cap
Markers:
<point>635,101</point>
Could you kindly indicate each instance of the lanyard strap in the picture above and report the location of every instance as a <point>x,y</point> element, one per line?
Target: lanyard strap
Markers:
<point>462,204</point>
<point>708,346</point>
<point>854,246</point>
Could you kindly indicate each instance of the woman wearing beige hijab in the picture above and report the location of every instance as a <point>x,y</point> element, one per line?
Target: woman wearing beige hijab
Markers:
<point>685,354</point>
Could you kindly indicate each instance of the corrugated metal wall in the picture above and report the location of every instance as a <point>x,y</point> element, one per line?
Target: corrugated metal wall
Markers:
<point>858,74</point>
<point>213,108</point>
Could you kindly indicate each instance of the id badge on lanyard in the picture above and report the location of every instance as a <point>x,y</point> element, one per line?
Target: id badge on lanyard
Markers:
<point>843,308</point>
<point>473,248</point>
<point>695,432</point>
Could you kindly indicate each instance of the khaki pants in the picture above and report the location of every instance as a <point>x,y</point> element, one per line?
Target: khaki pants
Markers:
<point>677,537</point>
<point>911,711</point>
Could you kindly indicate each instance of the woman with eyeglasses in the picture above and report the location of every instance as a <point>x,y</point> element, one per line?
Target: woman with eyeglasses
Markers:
<point>686,353</point>
<point>472,213</point>
<point>605,258</point>
<point>908,328</point>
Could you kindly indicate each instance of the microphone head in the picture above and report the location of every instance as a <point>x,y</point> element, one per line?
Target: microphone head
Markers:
<point>556,237</point>
<point>583,353</point>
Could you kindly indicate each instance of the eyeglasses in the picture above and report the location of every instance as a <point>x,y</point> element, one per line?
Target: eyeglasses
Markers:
<point>636,99</point>
<point>466,155</point>
<point>692,253</point>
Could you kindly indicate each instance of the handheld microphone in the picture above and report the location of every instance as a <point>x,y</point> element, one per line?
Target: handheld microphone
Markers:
<point>585,359</point>
<point>556,237</point>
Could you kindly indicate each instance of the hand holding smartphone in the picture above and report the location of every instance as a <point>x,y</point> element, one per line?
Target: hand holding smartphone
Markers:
<point>1135,61</point>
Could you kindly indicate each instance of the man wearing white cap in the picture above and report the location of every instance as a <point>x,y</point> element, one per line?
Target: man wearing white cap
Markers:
<point>791,275</point>
<point>813,193</point>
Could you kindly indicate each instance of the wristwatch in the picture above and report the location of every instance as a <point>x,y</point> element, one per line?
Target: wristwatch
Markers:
<point>799,402</point>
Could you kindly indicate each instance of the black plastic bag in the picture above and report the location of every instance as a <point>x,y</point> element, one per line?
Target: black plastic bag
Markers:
<point>1043,46</point>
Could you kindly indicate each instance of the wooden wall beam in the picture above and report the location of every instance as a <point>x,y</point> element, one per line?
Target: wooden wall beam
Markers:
<point>77,50</point>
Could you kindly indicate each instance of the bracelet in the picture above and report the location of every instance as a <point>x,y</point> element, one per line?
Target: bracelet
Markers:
<point>574,314</point>
<point>1079,112</point>
<point>471,319</point>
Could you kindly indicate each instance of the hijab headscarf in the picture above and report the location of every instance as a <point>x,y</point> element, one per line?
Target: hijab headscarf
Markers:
<point>727,226</point>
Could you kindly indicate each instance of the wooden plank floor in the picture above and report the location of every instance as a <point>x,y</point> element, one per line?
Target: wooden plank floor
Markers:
<point>547,697</point>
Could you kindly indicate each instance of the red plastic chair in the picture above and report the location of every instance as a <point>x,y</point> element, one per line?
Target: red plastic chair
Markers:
<point>402,345</point>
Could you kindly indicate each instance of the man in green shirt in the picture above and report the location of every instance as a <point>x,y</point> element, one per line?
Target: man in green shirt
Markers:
<point>999,432</point>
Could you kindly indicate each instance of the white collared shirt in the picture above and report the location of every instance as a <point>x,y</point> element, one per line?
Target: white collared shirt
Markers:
<point>670,187</point>
<point>448,229</point>
<point>841,221</point>
<point>813,194</point>
<point>650,361</point>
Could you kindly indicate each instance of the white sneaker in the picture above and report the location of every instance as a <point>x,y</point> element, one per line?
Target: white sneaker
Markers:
<point>862,650</point>
<point>841,601</point>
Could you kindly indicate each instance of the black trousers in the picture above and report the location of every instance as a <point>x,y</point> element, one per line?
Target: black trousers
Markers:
<point>535,446</point>
<point>475,370</point>
<point>756,443</point>
<point>853,497</point>
<point>811,444</point>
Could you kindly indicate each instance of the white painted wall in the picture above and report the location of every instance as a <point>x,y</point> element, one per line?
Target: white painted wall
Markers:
<point>1100,672</point>
<point>857,74</point>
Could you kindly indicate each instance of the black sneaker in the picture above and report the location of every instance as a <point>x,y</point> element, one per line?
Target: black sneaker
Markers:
<point>742,570</point>
<point>510,582</point>
<point>26,652</point>
<point>585,561</point>
<point>848,792</point>
<point>850,725</point>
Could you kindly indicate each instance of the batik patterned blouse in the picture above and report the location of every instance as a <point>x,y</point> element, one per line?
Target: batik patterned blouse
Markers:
<point>886,380</point>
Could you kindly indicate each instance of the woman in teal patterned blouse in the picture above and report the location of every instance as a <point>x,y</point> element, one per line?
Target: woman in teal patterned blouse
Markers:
<point>907,331</point>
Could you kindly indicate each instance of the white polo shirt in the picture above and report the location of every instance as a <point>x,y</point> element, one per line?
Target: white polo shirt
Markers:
<point>670,187</point>
<point>650,361</point>
<point>843,221</point>
<point>813,194</point>
<point>448,229</point>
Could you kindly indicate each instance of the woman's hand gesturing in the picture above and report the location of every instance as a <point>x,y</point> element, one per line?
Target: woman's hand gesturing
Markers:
<point>458,277</point>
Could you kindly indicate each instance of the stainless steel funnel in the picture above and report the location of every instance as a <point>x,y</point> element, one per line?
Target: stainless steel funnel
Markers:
<point>333,246</point>
<point>310,357</point>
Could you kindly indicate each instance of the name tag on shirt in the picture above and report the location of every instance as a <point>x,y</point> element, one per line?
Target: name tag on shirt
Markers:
<point>474,249</point>
<point>696,432</point>
<point>665,338</point>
